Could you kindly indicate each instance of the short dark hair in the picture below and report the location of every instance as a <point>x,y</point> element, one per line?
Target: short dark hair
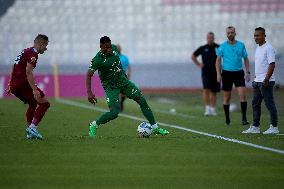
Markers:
<point>105,39</point>
<point>231,27</point>
<point>41,37</point>
<point>260,29</point>
<point>210,33</point>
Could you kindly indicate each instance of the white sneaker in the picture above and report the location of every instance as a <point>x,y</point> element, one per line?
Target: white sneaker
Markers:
<point>271,130</point>
<point>207,111</point>
<point>32,131</point>
<point>213,111</point>
<point>252,129</point>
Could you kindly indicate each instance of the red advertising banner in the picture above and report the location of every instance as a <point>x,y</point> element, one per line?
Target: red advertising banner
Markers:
<point>68,85</point>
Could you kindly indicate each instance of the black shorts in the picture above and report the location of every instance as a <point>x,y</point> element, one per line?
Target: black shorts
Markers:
<point>210,82</point>
<point>232,77</point>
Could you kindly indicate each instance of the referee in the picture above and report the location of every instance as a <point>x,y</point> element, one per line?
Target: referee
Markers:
<point>208,73</point>
<point>232,52</point>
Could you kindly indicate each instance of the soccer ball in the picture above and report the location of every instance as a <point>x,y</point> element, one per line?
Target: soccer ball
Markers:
<point>144,130</point>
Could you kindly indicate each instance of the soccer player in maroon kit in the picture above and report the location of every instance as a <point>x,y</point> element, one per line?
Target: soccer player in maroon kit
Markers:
<point>22,85</point>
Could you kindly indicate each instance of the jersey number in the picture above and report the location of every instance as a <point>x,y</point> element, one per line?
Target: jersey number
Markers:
<point>17,60</point>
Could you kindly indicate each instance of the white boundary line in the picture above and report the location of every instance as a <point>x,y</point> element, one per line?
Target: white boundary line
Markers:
<point>174,113</point>
<point>78,104</point>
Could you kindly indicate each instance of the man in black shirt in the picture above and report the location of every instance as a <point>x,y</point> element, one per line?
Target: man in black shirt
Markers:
<point>208,72</point>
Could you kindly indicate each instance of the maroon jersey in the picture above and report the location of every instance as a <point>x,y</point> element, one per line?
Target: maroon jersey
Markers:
<point>19,76</point>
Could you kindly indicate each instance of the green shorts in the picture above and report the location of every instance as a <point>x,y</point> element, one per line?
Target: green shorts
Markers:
<point>130,91</point>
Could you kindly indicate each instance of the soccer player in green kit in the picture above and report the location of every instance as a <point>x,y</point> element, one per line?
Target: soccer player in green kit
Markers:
<point>114,82</point>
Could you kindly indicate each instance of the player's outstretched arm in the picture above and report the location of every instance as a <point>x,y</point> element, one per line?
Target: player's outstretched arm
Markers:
<point>91,97</point>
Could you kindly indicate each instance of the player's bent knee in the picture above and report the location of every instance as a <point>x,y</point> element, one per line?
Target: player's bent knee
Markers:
<point>243,98</point>
<point>46,105</point>
<point>138,99</point>
<point>42,100</point>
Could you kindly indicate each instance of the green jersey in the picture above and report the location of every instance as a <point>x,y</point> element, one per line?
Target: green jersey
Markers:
<point>110,69</point>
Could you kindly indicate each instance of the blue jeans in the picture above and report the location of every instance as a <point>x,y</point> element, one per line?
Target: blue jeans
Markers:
<point>259,93</point>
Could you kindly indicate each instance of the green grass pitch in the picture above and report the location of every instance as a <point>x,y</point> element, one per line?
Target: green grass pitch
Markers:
<point>68,158</point>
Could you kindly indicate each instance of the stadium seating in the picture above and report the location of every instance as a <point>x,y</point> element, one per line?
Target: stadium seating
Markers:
<point>151,31</point>
<point>160,32</point>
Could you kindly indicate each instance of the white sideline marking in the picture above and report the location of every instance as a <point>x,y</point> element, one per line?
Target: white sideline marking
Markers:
<point>174,113</point>
<point>78,104</point>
